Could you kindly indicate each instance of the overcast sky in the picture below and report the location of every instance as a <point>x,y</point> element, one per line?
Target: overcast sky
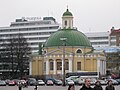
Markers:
<point>89,15</point>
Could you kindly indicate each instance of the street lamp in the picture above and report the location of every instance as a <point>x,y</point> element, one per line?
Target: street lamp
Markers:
<point>84,53</point>
<point>64,44</point>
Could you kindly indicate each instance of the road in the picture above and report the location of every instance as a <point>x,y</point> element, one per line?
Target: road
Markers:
<point>47,88</point>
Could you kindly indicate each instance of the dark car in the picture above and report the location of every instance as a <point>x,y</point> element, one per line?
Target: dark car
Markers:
<point>31,81</point>
<point>57,82</point>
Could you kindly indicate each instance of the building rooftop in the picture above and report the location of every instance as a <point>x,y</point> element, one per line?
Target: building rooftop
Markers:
<point>73,38</point>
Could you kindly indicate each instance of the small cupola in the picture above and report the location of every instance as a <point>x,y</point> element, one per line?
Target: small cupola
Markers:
<point>67,20</point>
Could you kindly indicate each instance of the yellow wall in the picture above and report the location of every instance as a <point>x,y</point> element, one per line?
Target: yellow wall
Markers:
<point>37,66</point>
<point>89,62</point>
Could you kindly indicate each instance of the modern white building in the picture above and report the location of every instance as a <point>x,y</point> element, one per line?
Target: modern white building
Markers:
<point>35,30</point>
<point>101,39</point>
<point>38,30</point>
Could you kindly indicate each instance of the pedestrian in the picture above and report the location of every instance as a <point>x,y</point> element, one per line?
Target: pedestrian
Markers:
<point>20,86</point>
<point>87,85</point>
<point>98,86</point>
<point>36,86</point>
<point>71,87</point>
<point>109,86</point>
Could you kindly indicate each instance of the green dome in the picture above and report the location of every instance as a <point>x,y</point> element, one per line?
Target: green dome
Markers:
<point>67,13</point>
<point>74,38</point>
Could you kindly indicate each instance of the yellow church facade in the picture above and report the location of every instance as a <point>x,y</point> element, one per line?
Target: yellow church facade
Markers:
<point>68,49</point>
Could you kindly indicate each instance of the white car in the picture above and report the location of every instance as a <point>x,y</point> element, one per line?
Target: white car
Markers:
<point>69,82</point>
<point>114,82</point>
<point>40,82</point>
<point>23,81</point>
<point>81,81</point>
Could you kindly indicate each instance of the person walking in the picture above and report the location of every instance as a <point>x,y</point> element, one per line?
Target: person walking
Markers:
<point>109,86</point>
<point>87,85</point>
<point>35,88</point>
<point>98,86</point>
<point>20,86</point>
<point>71,87</point>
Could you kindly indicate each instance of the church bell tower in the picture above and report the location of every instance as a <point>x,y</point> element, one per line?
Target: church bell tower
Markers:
<point>67,20</point>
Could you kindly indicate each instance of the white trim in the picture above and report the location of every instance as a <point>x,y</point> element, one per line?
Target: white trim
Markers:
<point>30,68</point>
<point>47,67</point>
<point>54,63</point>
<point>70,65</point>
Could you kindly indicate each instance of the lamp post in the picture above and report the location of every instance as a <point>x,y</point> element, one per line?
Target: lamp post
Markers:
<point>84,52</point>
<point>64,44</point>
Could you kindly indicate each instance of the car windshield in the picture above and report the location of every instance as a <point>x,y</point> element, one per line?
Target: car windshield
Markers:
<point>69,80</point>
<point>2,82</point>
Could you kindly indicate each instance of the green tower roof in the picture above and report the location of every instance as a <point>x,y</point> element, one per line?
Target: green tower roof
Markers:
<point>67,13</point>
<point>73,36</point>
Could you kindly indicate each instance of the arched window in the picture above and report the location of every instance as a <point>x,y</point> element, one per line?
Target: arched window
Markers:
<point>51,64</point>
<point>79,51</point>
<point>65,23</point>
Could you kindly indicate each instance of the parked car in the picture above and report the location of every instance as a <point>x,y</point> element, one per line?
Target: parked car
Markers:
<point>16,81</point>
<point>118,80</point>
<point>92,81</point>
<point>31,81</point>
<point>57,82</point>
<point>40,82</point>
<point>114,82</point>
<point>11,83</point>
<point>49,82</point>
<point>69,82</point>
<point>7,81</point>
<point>75,79</point>
<point>81,81</point>
<point>103,82</point>
<point>2,83</point>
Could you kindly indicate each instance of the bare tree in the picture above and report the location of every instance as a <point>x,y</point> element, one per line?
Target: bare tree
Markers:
<point>16,50</point>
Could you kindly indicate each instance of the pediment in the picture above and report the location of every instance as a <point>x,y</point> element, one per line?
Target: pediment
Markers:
<point>58,52</point>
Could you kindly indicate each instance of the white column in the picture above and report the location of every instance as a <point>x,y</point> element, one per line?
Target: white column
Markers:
<point>62,67</point>
<point>101,66</point>
<point>47,67</point>
<point>70,65</point>
<point>30,68</point>
<point>54,62</point>
<point>98,66</point>
<point>105,66</point>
